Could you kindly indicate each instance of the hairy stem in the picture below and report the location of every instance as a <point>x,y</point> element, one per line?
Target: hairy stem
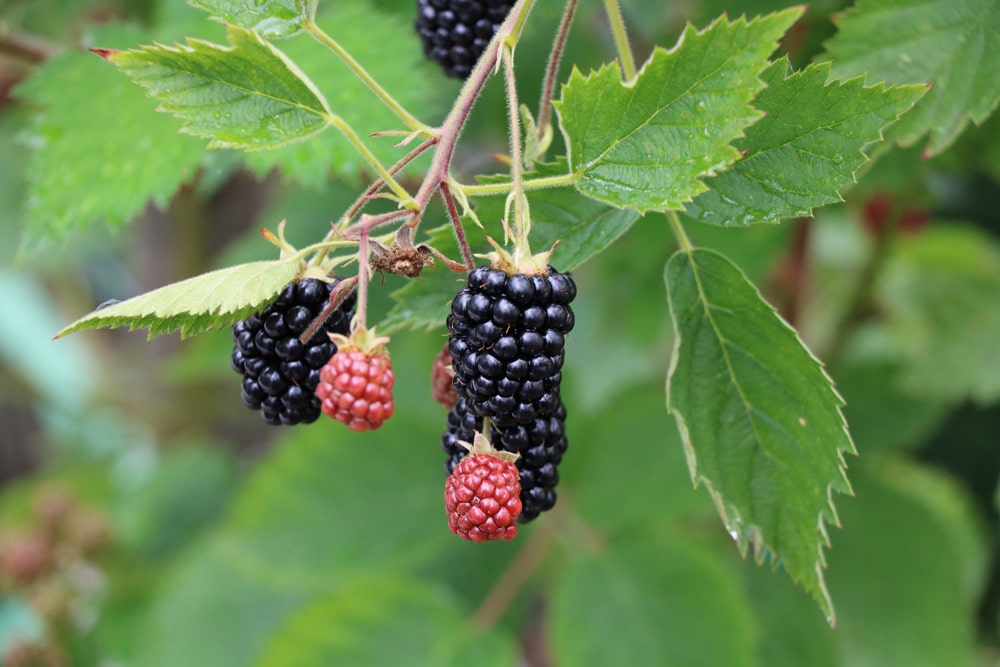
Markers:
<point>456,221</point>
<point>404,196</point>
<point>452,126</point>
<point>363,280</point>
<point>380,183</point>
<point>542,183</point>
<point>522,218</point>
<point>552,70</point>
<point>323,38</point>
<point>617,21</point>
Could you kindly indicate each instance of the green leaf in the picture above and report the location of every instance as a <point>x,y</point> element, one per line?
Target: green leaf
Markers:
<point>648,144</point>
<point>385,621</point>
<point>759,417</point>
<point>204,302</point>
<point>269,18</point>
<point>952,45</point>
<point>248,96</point>
<point>805,150</point>
<point>942,291</point>
<point>900,570</point>
<point>665,603</point>
<point>77,175</point>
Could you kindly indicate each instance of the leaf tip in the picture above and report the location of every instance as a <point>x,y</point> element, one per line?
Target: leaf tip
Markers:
<point>106,54</point>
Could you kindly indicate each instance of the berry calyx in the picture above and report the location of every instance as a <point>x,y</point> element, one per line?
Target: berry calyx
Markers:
<point>355,385</point>
<point>442,375</point>
<point>482,496</point>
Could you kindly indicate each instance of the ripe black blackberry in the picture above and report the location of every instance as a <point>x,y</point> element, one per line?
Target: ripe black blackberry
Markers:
<point>507,339</point>
<point>455,33</point>
<point>280,373</point>
<point>541,445</point>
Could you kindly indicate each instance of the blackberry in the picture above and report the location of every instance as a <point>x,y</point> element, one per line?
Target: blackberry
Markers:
<point>455,33</point>
<point>541,446</point>
<point>280,372</point>
<point>507,339</point>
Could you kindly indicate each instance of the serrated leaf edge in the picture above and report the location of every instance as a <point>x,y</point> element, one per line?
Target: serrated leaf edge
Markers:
<point>750,534</point>
<point>234,34</point>
<point>107,318</point>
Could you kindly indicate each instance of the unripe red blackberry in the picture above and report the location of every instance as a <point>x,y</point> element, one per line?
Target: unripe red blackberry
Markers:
<point>280,373</point>
<point>541,446</point>
<point>507,340</point>
<point>442,377</point>
<point>482,494</point>
<point>455,33</point>
<point>355,388</point>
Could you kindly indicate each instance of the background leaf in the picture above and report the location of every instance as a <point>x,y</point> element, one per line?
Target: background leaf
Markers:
<point>942,289</point>
<point>77,175</point>
<point>663,603</point>
<point>269,18</point>
<point>898,572</point>
<point>952,45</point>
<point>210,300</point>
<point>647,145</point>
<point>759,417</point>
<point>248,96</point>
<point>385,621</point>
<point>805,150</point>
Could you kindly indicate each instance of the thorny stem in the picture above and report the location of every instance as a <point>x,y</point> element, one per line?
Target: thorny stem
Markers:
<point>682,239</point>
<point>614,12</point>
<point>408,119</point>
<point>452,126</point>
<point>445,137</point>
<point>399,190</point>
<point>456,221</point>
<point>377,185</point>
<point>447,134</point>
<point>337,230</point>
<point>552,70</point>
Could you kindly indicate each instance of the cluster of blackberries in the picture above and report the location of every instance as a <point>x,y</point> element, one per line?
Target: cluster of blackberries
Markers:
<point>280,372</point>
<point>455,33</point>
<point>507,339</point>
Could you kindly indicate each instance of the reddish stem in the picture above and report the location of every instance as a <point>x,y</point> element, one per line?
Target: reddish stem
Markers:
<point>456,222</point>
